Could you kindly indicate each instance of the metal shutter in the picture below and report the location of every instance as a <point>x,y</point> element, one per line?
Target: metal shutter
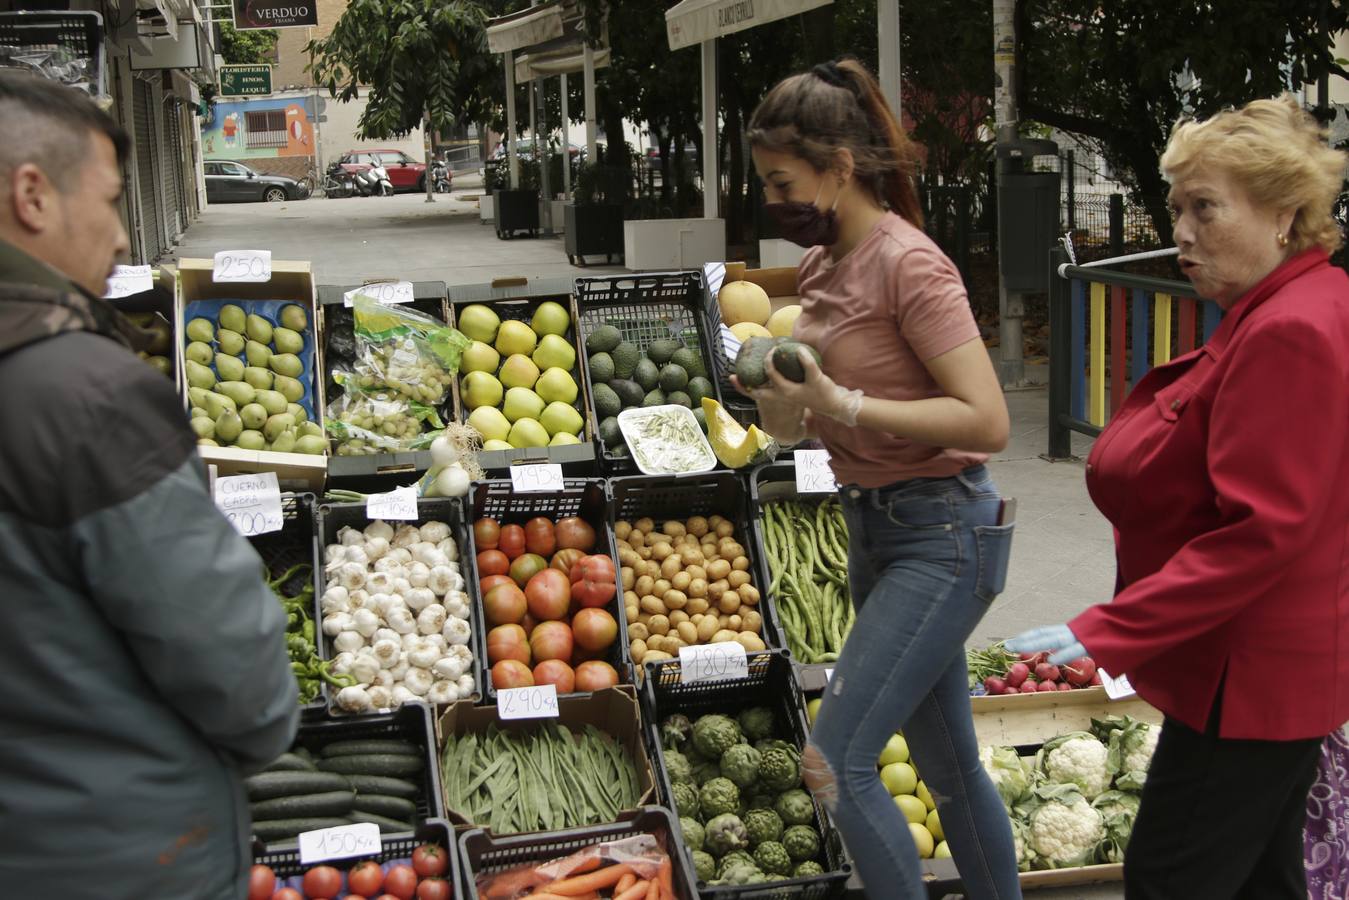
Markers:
<point>173,147</point>
<point>147,163</point>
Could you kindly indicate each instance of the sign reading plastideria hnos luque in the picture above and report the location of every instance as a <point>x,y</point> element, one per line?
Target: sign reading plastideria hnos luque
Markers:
<point>275,13</point>
<point>236,81</point>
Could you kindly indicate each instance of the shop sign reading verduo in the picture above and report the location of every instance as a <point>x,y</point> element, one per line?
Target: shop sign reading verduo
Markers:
<point>274,13</point>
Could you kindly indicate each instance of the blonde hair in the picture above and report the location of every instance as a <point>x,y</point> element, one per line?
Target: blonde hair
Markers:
<point>1278,153</point>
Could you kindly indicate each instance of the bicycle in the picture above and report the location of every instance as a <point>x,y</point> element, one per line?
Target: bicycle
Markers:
<point>311,183</point>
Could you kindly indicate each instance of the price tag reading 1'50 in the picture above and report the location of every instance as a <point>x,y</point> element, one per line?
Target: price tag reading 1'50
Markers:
<point>341,842</point>
<point>713,662</point>
<point>538,702</point>
<point>243,266</point>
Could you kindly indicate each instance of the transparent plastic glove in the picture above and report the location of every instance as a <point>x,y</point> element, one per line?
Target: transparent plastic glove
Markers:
<point>1059,639</point>
<point>819,393</point>
<point>781,418</point>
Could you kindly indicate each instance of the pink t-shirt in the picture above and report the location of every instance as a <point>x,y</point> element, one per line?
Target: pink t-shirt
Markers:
<point>875,316</point>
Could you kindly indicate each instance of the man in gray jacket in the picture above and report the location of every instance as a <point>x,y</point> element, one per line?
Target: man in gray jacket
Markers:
<point>144,666</point>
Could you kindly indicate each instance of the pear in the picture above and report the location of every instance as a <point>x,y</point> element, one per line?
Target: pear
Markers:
<point>311,429</point>
<point>199,353</point>
<point>229,426</point>
<point>259,329</point>
<point>241,392</point>
<point>197,396</point>
<point>294,317</point>
<point>231,368</point>
<point>251,440</point>
<point>287,364</point>
<point>291,389</point>
<point>254,415</point>
<point>206,442</point>
<point>199,413</point>
<point>161,364</point>
<point>233,318</point>
<point>217,404</point>
<point>204,427</point>
<point>277,424</point>
<point>258,377</point>
<point>287,341</point>
<point>200,329</point>
<point>258,354</point>
<point>231,342</point>
<point>163,336</point>
<point>284,443</point>
<point>298,411</point>
<point>312,444</point>
<point>198,375</point>
<point>272,401</point>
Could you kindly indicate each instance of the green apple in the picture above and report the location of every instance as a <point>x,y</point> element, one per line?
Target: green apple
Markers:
<point>490,423</point>
<point>519,371</point>
<point>911,807</point>
<point>496,445</point>
<point>551,318</point>
<point>479,323</point>
<point>522,403</point>
<point>480,357</point>
<point>527,433</point>
<point>560,418</point>
<point>562,438</point>
<point>556,385</point>
<point>554,352</point>
<point>515,337</point>
<point>481,389</point>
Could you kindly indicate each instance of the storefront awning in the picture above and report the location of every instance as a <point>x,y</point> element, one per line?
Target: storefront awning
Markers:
<point>694,21</point>
<point>526,28</point>
<point>532,65</point>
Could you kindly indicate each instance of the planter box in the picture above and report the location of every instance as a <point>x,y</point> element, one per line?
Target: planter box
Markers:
<point>673,243</point>
<point>487,208</point>
<point>593,229</point>
<point>558,215</point>
<point>516,211</point>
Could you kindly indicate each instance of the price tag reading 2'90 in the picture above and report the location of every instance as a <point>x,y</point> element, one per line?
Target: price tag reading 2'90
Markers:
<point>713,662</point>
<point>341,842</point>
<point>243,266</point>
<point>538,702</point>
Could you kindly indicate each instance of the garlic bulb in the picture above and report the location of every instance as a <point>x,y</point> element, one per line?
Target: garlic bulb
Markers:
<point>365,669</point>
<point>431,619</point>
<point>418,573</point>
<point>418,599</point>
<point>366,622</point>
<point>466,685</point>
<point>354,699</point>
<point>336,623</point>
<point>349,537</point>
<point>443,692</point>
<point>379,583</point>
<point>448,667</point>
<point>379,529</point>
<point>456,631</point>
<point>381,697</point>
<point>351,640</point>
<point>450,549</point>
<point>406,536</point>
<point>434,532</point>
<point>402,695</point>
<point>335,599</point>
<point>418,681</point>
<point>443,580</point>
<point>401,620</point>
<point>422,656</point>
<point>350,575</point>
<point>375,548</point>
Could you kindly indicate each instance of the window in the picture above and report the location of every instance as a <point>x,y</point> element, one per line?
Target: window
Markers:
<point>212,168</point>
<point>265,129</point>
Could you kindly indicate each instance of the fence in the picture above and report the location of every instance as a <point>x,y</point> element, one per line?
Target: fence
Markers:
<point>1107,329</point>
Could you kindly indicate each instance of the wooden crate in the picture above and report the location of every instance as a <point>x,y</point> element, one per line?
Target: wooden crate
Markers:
<point>1019,720</point>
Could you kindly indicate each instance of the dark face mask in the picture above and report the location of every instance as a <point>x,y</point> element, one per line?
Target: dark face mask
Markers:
<point>805,224</point>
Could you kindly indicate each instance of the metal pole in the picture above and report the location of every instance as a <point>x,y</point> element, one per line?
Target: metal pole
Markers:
<point>711,182</point>
<point>1116,224</point>
<point>426,149</point>
<point>1072,191</point>
<point>544,154</point>
<point>1011,306</point>
<point>566,141</point>
<point>592,139</point>
<point>887,31</point>
<point>1060,352</point>
<point>511,157</point>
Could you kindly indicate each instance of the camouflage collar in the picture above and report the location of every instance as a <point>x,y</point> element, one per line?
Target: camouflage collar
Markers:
<point>31,313</point>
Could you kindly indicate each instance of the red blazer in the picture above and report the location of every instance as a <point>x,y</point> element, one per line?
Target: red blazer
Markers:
<point>1226,476</point>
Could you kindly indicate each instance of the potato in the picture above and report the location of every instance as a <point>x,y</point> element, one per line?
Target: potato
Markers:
<point>660,587</point>
<point>730,549</point>
<point>738,576</point>
<point>677,616</point>
<point>696,526</point>
<point>627,557</point>
<point>674,599</point>
<point>697,605</point>
<point>740,564</point>
<point>638,632</point>
<point>723,636</point>
<point>659,625</point>
<point>644,552</point>
<point>718,570</point>
<point>673,643</point>
<point>750,641</point>
<point>697,572</point>
<point>748,594</point>
<point>729,602</point>
<point>659,537</point>
<point>632,612</point>
<point>673,528</point>
<point>631,598</point>
<point>724,620</point>
<point>696,588</point>
<point>706,628</point>
<point>735,622</point>
<point>660,551</point>
<point>655,656</point>
<point>681,581</point>
<point>656,642</point>
<point>751,620</point>
<point>717,588</point>
<point>725,529</point>
<point>691,556</point>
<point>638,648</point>
<point>651,604</point>
<point>622,529</point>
<point>670,567</point>
<point>643,585</point>
<point>644,525</point>
<point>637,539</point>
<point>629,579</point>
<point>709,552</point>
<point>688,632</point>
<point>644,618</point>
<point>714,521</point>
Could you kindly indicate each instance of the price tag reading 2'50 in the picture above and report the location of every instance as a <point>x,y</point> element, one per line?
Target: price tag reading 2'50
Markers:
<point>243,266</point>
<point>341,842</point>
<point>713,662</point>
<point>538,702</point>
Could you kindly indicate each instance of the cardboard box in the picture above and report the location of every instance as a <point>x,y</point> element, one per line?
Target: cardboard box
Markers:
<point>778,283</point>
<point>612,710</point>
<point>293,281</point>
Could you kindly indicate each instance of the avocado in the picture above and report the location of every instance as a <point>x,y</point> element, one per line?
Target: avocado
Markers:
<point>673,378</point>
<point>787,359</point>
<point>610,433</point>
<point>619,451</point>
<point>603,339</point>
<point>698,388</point>
<point>629,393</point>
<point>701,417</point>
<point>661,351</point>
<point>647,374</point>
<point>606,402</point>
<point>679,398</point>
<point>601,368</point>
<point>655,398</point>
<point>749,362</point>
<point>690,361</point>
<point>625,357</point>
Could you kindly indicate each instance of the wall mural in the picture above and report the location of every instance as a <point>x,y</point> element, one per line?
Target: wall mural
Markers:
<point>245,129</point>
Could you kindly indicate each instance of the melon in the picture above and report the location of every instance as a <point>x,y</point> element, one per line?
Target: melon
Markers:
<point>781,322</point>
<point>746,330</point>
<point>743,301</point>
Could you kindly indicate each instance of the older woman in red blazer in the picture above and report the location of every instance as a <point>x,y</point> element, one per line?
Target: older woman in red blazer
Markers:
<point>1226,477</point>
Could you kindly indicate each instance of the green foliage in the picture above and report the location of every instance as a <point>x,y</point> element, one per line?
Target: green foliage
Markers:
<point>247,47</point>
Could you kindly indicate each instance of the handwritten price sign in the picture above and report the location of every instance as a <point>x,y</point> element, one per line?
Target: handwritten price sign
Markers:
<point>341,842</point>
<point>252,503</point>
<point>538,702</point>
<point>535,478</point>
<point>385,292</point>
<point>813,475</point>
<point>713,662</point>
<point>243,266</point>
<point>128,280</point>
<point>1116,688</point>
<point>398,504</point>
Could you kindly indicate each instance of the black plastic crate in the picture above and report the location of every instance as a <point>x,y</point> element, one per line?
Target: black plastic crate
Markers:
<point>337,348</point>
<point>577,458</point>
<point>735,402</point>
<point>772,684</point>
<point>587,498</point>
<point>710,493</point>
<point>296,543</point>
<point>285,862</point>
<point>484,854</point>
<point>411,722</point>
<point>333,516</point>
<point>644,308</point>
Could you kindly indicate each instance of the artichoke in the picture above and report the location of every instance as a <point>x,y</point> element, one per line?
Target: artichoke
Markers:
<point>779,770</point>
<point>741,765</point>
<point>675,731</point>
<point>726,833</point>
<point>756,722</point>
<point>714,734</point>
<point>685,798</point>
<point>795,807</point>
<point>773,858</point>
<point>704,865</point>
<point>763,825</point>
<point>802,842</point>
<point>720,795</point>
<point>807,869</point>
<point>735,857</point>
<point>678,767</point>
<point>694,835</point>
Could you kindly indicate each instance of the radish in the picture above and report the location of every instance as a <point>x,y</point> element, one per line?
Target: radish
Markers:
<point>1046,671</point>
<point>1080,671</point>
<point>995,685</point>
<point>1029,687</point>
<point>1065,686</point>
<point>1047,686</point>
<point>1095,678</point>
<point>1016,674</point>
<point>1027,657</point>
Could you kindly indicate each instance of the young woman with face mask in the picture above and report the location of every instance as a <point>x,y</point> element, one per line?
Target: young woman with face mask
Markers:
<point>909,407</point>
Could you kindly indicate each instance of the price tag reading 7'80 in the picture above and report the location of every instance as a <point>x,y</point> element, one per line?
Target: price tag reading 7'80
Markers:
<point>813,475</point>
<point>538,702</point>
<point>713,662</point>
<point>243,265</point>
<point>339,843</point>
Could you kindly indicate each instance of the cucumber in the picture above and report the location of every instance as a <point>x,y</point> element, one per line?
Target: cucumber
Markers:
<point>280,829</point>
<point>290,762</point>
<point>387,787</point>
<point>393,807</point>
<point>266,785</point>
<point>374,764</point>
<point>386,826</point>
<point>370,748</point>
<point>329,803</point>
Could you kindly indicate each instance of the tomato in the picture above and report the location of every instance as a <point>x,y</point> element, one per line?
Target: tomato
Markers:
<point>511,673</point>
<point>548,595</point>
<point>575,532</point>
<point>563,560</point>
<point>539,536</point>
<point>430,859</point>
<point>492,562</point>
<point>401,881</point>
<point>582,655</point>
<point>595,676</point>
<point>594,628</point>
<point>261,883</point>
<point>287,894</point>
<point>366,878</point>
<point>556,672</point>
<point>507,642</point>
<point>512,541</point>
<point>526,566</point>
<point>503,605</point>
<point>593,581</point>
<point>322,882</point>
<point>486,533</point>
<point>528,623</point>
<point>551,640</point>
<point>491,581</point>
<point>434,889</point>
<point>354,897</point>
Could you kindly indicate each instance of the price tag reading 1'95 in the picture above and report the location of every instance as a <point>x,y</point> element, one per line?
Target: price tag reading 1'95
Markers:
<point>243,266</point>
<point>813,475</point>
<point>713,662</point>
<point>538,702</point>
<point>545,477</point>
<point>341,842</point>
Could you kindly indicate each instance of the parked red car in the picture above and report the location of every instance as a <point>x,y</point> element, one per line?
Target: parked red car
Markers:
<point>405,173</point>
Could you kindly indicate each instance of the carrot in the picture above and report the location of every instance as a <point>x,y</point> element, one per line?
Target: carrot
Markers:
<point>665,876</point>
<point>589,864</point>
<point>581,884</point>
<point>637,892</point>
<point>624,883</point>
<point>653,890</point>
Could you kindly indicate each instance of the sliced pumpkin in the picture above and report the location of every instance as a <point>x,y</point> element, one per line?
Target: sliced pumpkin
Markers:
<point>735,446</point>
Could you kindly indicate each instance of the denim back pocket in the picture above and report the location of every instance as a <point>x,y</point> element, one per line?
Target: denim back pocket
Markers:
<point>993,545</point>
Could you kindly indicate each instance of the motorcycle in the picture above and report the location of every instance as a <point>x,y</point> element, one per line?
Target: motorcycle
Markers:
<point>440,177</point>
<point>338,182</point>
<point>374,181</point>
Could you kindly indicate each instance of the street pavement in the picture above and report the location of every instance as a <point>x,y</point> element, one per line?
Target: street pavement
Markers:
<point>1062,559</point>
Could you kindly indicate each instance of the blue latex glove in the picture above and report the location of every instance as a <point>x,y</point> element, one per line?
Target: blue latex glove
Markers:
<point>1057,638</point>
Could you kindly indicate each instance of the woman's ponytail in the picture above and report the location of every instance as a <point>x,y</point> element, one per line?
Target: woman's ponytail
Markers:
<point>897,180</point>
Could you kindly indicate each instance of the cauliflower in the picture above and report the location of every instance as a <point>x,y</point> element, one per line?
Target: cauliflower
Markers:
<point>714,734</point>
<point>779,770</point>
<point>1008,775</point>
<point>1064,830</point>
<point>801,842</point>
<point>773,858</point>
<point>762,825</point>
<point>1119,810</point>
<point>726,833</point>
<point>720,795</point>
<point>741,765</point>
<point>1131,744</point>
<point>1076,758</point>
<point>756,722</point>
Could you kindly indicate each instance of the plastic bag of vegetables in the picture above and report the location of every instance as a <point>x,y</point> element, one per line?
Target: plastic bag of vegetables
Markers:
<point>364,423</point>
<point>400,349</point>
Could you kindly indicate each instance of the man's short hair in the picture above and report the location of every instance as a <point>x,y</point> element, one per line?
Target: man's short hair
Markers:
<point>47,123</point>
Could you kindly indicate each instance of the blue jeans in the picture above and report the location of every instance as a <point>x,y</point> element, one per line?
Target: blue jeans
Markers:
<point>926,558</point>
